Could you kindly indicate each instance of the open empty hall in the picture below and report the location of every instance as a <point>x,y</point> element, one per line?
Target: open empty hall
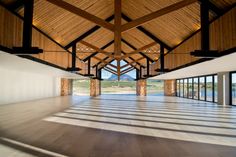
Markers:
<point>117,78</point>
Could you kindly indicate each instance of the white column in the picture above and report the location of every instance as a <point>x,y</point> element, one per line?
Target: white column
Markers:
<point>223,88</point>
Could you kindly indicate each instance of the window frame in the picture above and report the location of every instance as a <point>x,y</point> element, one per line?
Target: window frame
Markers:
<point>230,87</point>
<point>205,82</point>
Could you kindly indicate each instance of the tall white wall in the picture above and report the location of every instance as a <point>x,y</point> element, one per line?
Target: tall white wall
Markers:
<point>18,86</point>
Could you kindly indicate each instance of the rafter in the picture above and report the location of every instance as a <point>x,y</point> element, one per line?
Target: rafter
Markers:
<point>213,8</point>
<point>82,13</point>
<point>118,69</point>
<point>134,48</point>
<point>134,61</point>
<point>127,70</point>
<point>97,49</point>
<point>105,62</point>
<point>97,64</point>
<point>117,31</point>
<point>138,50</point>
<point>147,33</point>
<point>17,5</point>
<point>89,32</point>
<point>156,14</point>
<point>110,70</point>
<point>102,48</point>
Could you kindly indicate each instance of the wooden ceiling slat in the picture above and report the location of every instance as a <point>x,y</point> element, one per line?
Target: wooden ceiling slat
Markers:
<point>156,14</point>
<point>82,13</point>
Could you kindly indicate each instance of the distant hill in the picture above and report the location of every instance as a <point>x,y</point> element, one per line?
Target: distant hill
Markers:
<point>124,77</point>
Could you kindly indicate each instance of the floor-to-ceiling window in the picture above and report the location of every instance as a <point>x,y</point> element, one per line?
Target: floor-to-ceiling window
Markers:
<point>195,88</point>
<point>202,88</point>
<point>215,88</point>
<point>233,88</point>
<point>199,88</point>
<point>185,88</point>
<point>209,88</point>
<point>181,87</point>
<point>190,88</point>
<point>177,88</point>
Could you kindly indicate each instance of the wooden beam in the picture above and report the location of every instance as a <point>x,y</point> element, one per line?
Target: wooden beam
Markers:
<point>118,69</point>
<point>110,70</point>
<point>82,13</point>
<point>204,14</point>
<point>138,50</point>
<point>117,31</point>
<point>134,61</point>
<point>213,8</point>
<point>131,59</point>
<point>86,34</point>
<point>147,33</point>
<point>156,14</point>
<point>17,5</point>
<point>127,70</point>
<point>135,66</point>
<point>100,62</point>
<point>95,53</point>
<point>134,48</point>
<point>97,49</point>
<point>73,64</point>
<point>105,62</point>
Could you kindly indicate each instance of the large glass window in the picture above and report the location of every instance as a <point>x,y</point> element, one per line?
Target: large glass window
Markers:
<point>195,88</point>
<point>233,88</point>
<point>185,88</point>
<point>190,88</point>
<point>202,88</point>
<point>181,87</point>
<point>215,88</point>
<point>209,88</point>
<point>177,88</point>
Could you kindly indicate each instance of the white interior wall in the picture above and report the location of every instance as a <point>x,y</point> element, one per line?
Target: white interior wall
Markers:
<point>23,80</point>
<point>17,86</point>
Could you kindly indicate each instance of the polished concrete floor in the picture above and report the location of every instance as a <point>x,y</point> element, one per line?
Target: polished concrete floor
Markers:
<point>117,126</point>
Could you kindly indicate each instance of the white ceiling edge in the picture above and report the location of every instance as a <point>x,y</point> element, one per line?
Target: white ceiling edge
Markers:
<point>221,64</point>
<point>13,62</point>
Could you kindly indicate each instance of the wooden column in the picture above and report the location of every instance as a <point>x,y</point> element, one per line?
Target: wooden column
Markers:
<point>141,87</point>
<point>169,87</point>
<point>95,87</point>
<point>66,87</point>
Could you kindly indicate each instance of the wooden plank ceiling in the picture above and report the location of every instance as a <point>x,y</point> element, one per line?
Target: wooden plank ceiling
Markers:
<point>170,26</point>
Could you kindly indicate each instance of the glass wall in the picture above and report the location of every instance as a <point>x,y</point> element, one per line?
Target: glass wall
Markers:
<point>181,87</point>
<point>200,88</point>
<point>195,88</point>
<point>190,88</point>
<point>185,88</point>
<point>215,88</point>
<point>233,88</point>
<point>209,88</point>
<point>177,88</point>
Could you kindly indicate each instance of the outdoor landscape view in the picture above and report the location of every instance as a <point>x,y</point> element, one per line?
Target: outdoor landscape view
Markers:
<point>110,85</point>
